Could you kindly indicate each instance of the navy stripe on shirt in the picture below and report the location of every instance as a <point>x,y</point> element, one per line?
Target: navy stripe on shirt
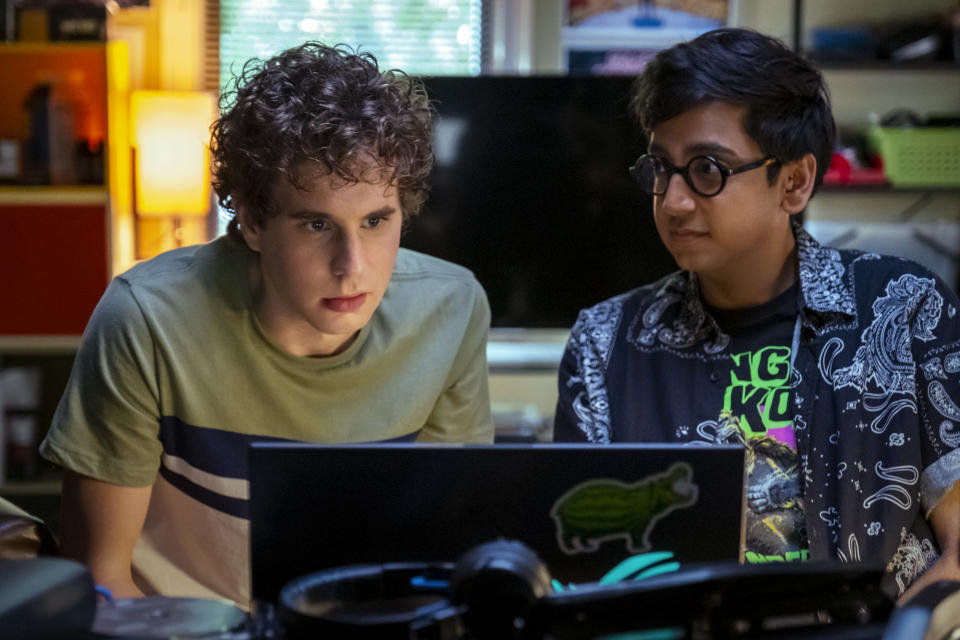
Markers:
<point>238,507</point>
<point>220,453</point>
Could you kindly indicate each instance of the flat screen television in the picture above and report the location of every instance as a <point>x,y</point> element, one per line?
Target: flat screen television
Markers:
<point>530,191</point>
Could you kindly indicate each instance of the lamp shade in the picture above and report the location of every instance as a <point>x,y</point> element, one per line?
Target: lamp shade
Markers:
<point>171,130</point>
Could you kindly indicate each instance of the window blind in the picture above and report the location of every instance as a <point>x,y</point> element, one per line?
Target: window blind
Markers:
<point>210,69</point>
<point>422,37</point>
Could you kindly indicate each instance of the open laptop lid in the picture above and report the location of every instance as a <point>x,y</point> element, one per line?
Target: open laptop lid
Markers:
<point>582,508</point>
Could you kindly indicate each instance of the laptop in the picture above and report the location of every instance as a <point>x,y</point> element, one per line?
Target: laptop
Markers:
<point>584,509</point>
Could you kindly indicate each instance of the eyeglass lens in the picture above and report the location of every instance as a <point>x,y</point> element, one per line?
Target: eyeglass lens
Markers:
<point>701,173</point>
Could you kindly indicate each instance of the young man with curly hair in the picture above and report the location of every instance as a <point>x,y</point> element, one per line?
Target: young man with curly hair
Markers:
<point>838,370</point>
<point>305,322</point>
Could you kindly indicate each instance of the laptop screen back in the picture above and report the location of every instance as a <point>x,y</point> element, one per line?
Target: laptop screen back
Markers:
<point>582,508</point>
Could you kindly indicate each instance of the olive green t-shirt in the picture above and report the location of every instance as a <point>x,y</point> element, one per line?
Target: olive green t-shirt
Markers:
<point>175,377</point>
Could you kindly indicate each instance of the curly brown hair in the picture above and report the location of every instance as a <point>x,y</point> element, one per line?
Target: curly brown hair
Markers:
<point>319,108</point>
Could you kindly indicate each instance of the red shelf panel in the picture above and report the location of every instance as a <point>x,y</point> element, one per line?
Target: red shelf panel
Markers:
<point>53,267</point>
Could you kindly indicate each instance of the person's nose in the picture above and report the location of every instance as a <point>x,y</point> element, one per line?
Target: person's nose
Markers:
<point>678,198</point>
<point>347,260</point>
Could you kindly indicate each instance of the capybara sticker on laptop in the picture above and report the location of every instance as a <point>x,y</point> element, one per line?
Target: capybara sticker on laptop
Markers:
<point>603,509</point>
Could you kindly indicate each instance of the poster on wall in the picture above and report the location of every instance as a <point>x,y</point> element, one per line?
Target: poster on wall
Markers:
<point>619,37</point>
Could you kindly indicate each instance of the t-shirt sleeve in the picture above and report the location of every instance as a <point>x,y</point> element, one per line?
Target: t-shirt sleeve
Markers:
<point>462,412</point>
<point>106,424</point>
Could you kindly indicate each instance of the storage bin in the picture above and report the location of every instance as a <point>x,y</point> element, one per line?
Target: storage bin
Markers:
<point>921,156</point>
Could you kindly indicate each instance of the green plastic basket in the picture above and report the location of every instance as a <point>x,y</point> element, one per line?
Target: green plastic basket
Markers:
<point>921,157</point>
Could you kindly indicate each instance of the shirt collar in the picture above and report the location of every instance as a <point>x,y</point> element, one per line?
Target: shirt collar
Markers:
<point>822,281</point>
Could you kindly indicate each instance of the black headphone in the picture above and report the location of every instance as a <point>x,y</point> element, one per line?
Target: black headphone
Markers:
<point>488,593</point>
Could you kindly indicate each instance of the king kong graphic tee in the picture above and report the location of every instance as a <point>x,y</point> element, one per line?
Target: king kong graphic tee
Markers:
<point>756,379</point>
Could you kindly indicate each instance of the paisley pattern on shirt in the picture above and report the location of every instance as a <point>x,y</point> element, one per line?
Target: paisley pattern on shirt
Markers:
<point>690,325</point>
<point>594,332</point>
<point>876,403</point>
<point>883,369</point>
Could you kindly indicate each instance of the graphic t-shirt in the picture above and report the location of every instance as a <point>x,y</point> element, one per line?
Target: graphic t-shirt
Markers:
<point>736,390</point>
<point>756,402</point>
<point>876,406</point>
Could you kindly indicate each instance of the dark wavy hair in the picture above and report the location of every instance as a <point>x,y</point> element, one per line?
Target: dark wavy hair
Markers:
<point>788,105</point>
<point>318,108</point>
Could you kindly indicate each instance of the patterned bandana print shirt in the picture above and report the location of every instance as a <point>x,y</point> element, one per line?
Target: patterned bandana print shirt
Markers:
<point>875,393</point>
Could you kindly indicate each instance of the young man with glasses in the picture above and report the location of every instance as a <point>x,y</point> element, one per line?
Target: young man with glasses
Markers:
<point>839,371</point>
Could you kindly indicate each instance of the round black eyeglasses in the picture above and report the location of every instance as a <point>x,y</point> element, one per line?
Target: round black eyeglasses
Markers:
<point>704,174</point>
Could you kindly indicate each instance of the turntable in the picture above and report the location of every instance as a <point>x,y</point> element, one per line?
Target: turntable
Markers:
<point>497,590</point>
<point>161,618</point>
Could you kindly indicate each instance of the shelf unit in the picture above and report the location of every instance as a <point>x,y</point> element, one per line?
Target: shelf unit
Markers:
<point>883,188</point>
<point>799,11</point>
<point>862,90</point>
<point>55,251</point>
<point>54,195</point>
<point>886,65</point>
<point>56,245</point>
<point>39,344</point>
<point>30,488</point>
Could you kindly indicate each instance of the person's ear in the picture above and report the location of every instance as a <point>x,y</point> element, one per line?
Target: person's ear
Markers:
<point>798,177</point>
<point>248,229</point>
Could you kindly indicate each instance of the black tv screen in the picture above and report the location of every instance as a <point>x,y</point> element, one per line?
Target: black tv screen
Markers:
<point>531,192</point>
